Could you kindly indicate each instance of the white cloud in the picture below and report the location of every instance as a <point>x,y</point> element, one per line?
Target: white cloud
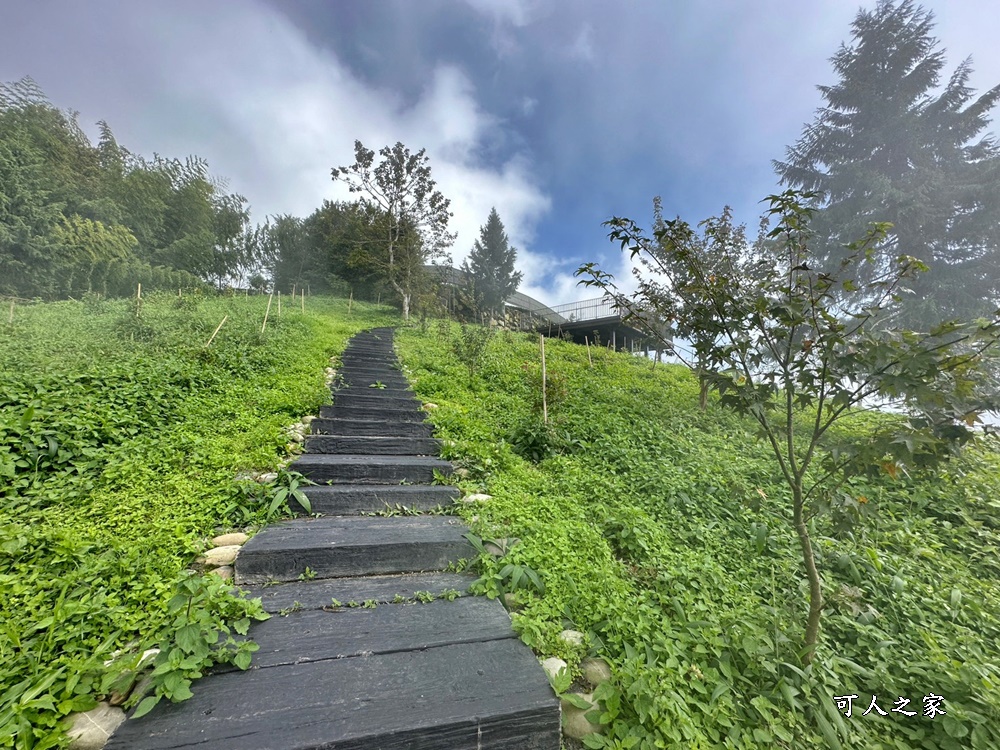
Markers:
<point>513,12</point>
<point>583,46</point>
<point>283,113</point>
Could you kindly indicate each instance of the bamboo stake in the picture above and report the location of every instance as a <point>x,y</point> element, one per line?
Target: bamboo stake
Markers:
<point>350,301</point>
<point>268,310</point>
<point>138,292</point>
<point>589,359</point>
<point>10,318</point>
<point>545,405</point>
<point>217,329</point>
<point>279,304</point>
<point>303,298</point>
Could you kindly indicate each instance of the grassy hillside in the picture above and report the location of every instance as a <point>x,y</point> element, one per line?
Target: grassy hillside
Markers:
<point>120,437</point>
<point>662,532</point>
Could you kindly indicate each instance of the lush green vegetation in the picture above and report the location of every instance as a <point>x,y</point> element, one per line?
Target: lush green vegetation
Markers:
<point>121,437</point>
<point>77,217</point>
<point>662,531</point>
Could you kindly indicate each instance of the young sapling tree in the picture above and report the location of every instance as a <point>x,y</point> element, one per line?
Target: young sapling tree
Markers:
<point>799,350</point>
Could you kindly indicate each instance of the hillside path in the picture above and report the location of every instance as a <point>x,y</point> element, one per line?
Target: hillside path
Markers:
<point>352,657</point>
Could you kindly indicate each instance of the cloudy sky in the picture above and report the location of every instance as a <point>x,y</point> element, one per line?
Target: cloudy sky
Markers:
<point>561,113</point>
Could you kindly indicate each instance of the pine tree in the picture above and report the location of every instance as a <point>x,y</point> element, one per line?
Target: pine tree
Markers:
<point>891,146</point>
<point>490,267</point>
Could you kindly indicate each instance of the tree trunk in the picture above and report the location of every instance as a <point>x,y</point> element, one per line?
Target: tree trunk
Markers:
<point>702,390</point>
<point>815,587</point>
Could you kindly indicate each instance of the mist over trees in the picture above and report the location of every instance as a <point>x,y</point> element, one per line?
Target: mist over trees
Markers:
<point>490,267</point>
<point>77,217</point>
<point>892,145</point>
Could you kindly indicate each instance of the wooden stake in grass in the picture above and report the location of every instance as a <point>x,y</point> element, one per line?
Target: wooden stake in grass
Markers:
<point>350,301</point>
<point>545,405</point>
<point>10,317</point>
<point>589,358</point>
<point>279,304</point>
<point>303,297</point>
<point>268,310</point>
<point>217,329</point>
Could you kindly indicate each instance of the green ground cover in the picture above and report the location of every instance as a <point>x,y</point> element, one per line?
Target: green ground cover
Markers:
<point>120,437</point>
<point>661,531</point>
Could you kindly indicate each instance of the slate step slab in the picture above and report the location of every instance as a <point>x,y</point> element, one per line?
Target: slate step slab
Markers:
<point>382,354</point>
<point>385,446</point>
<point>371,427</point>
<point>375,359</point>
<point>369,390</point>
<point>352,500</point>
<point>300,637</point>
<point>488,695</point>
<point>319,593</point>
<point>365,379</point>
<point>376,400</point>
<point>387,373</point>
<point>371,413</point>
<point>343,546</point>
<point>361,469</point>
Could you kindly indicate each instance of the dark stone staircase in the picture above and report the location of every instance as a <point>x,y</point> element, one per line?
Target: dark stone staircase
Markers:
<point>449,674</point>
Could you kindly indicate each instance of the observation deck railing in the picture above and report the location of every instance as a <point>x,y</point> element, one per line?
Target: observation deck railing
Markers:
<point>587,309</point>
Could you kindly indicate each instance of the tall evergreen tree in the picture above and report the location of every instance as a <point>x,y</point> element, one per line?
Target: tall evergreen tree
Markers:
<point>490,267</point>
<point>890,145</point>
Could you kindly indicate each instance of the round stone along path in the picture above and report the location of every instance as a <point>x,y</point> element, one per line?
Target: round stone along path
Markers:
<point>449,674</point>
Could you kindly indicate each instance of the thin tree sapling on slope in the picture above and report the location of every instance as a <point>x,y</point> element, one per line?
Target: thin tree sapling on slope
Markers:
<point>799,350</point>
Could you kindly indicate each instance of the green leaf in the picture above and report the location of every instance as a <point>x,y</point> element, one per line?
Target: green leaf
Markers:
<point>242,659</point>
<point>577,700</point>
<point>145,706</point>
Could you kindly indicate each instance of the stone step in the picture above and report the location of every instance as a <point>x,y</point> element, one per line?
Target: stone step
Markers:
<point>352,390</point>
<point>309,635</point>
<point>389,359</point>
<point>369,351</point>
<point>320,592</point>
<point>362,469</point>
<point>365,379</point>
<point>481,695</point>
<point>346,391</point>
<point>383,446</point>
<point>371,413</point>
<point>352,500</point>
<point>372,427</point>
<point>376,399</point>
<point>369,368</point>
<point>344,546</point>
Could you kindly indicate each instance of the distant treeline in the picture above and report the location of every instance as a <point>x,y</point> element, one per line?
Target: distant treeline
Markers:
<point>76,217</point>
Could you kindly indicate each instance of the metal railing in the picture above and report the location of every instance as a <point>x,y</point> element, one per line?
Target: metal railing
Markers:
<point>587,309</point>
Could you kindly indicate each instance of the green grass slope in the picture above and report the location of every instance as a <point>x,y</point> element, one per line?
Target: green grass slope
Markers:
<point>121,434</point>
<point>662,532</point>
